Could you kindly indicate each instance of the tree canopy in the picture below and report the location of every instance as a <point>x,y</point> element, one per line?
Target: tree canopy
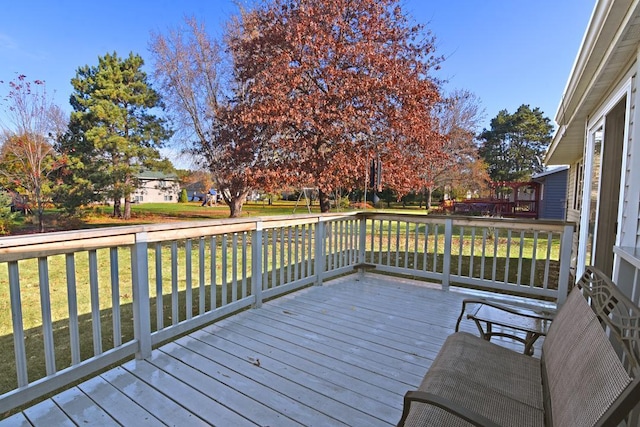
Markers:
<point>335,84</point>
<point>514,146</point>
<point>459,166</point>
<point>204,102</point>
<point>114,133</point>
<point>28,160</point>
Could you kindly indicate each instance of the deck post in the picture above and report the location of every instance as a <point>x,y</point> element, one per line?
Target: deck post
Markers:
<point>446,267</point>
<point>256,265</point>
<point>140,285</point>
<point>319,258</point>
<point>17,323</point>
<point>362,244</point>
<point>566,246</point>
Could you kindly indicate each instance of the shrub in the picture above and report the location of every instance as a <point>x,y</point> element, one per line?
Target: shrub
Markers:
<point>7,217</point>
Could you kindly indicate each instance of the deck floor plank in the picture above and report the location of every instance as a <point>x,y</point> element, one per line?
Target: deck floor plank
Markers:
<point>340,354</point>
<point>223,384</point>
<point>317,363</point>
<point>306,390</point>
<point>46,414</point>
<point>186,395</point>
<point>117,404</point>
<point>277,399</point>
<point>333,386</point>
<point>81,409</point>
<point>350,363</point>
<point>17,420</point>
<point>377,339</point>
<point>151,399</point>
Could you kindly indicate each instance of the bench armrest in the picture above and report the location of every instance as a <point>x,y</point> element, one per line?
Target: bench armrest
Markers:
<point>506,308</point>
<point>445,404</point>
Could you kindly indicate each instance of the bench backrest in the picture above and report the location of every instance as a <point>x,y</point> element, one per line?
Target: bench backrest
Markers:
<point>591,356</point>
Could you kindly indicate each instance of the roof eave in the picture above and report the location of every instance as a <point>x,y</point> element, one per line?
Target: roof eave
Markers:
<point>610,20</point>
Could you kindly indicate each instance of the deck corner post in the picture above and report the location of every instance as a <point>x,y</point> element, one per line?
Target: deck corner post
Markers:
<point>566,246</point>
<point>319,259</point>
<point>256,265</point>
<point>362,243</point>
<point>140,292</point>
<point>446,267</point>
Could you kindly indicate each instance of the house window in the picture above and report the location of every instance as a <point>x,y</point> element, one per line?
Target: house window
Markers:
<point>577,191</point>
<point>168,198</point>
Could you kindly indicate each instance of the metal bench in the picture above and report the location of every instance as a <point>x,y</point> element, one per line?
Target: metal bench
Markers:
<point>588,373</point>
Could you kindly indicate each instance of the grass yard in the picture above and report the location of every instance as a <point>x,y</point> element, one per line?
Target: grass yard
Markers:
<point>148,213</point>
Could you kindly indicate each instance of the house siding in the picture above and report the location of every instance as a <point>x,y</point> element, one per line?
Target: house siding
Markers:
<point>157,191</point>
<point>554,198</point>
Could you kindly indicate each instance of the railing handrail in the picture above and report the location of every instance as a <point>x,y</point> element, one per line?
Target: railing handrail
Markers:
<point>14,248</point>
<point>513,223</point>
<point>13,242</point>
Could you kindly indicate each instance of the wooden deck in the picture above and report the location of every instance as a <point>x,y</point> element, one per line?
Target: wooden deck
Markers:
<point>340,354</point>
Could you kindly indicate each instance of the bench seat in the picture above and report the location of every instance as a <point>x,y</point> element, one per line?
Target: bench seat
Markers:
<point>588,373</point>
<point>502,385</point>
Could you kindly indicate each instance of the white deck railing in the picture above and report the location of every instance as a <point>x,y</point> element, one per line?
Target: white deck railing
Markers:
<point>76,296</point>
<point>523,257</point>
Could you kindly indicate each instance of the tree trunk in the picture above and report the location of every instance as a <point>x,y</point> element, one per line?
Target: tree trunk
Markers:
<point>325,203</point>
<point>427,203</point>
<point>127,207</point>
<point>117,211</point>
<point>235,200</point>
<point>235,207</point>
<point>40,211</point>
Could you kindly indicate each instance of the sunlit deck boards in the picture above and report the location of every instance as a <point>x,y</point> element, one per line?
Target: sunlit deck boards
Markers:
<point>340,354</point>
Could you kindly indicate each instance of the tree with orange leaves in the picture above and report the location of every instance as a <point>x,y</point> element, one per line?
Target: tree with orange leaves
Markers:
<point>337,83</point>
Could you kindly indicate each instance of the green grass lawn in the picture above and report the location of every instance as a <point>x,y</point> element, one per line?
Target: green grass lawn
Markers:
<point>146,213</point>
<point>196,211</point>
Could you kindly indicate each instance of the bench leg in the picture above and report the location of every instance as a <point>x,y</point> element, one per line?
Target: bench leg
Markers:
<point>528,341</point>
<point>486,335</point>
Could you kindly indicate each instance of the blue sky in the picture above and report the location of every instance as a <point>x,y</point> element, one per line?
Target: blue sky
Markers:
<point>507,52</point>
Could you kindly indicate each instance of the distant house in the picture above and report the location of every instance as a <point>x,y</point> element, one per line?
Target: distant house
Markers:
<point>157,187</point>
<point>553,192</point>
<point>196,191</point>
